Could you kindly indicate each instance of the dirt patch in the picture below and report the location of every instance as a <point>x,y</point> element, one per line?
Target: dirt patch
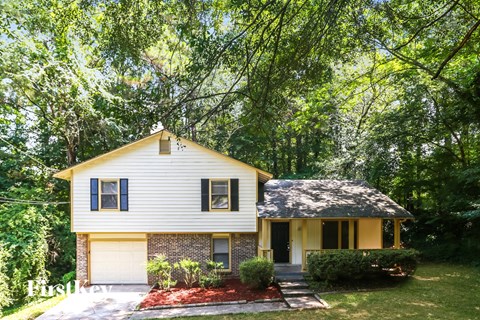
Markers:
<point>233,290</point>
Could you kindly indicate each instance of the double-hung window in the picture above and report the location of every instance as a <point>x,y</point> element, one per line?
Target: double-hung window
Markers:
<point>109,194</point>
<point>221,250</point>
<point>219,194</point>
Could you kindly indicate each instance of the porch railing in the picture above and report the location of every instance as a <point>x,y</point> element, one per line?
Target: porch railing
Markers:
<point>265,253</point>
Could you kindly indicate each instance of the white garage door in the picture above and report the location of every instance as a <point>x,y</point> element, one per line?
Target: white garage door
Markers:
<point>118,262</point>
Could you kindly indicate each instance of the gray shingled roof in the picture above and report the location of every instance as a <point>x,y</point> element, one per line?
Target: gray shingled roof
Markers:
<point>326,199</point>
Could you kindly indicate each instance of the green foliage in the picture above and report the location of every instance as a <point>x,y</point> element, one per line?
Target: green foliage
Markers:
<point>357,264</point>
<point>162,269</point>
<point>257,272</point>
<point>446,237</point>
<point>25,230</point>
<point>69,277</point>
<point>5,296</point>
<point>213,278</point>
<point>355,90</point>
<point>191,271</point>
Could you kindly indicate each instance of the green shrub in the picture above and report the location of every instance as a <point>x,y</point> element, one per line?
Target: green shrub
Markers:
<point>162,269</point>
<point>210,281</point>
<point>25,230</point>
<point>213,278</point>
<point>257,272</point>
<point>5,296</point>
<point>191,271</point>
<point>356,264</point>
<point>68,277</point>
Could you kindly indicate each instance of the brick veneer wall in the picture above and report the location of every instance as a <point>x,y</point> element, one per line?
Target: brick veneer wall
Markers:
<point>82,257</point>
<point>198,247</point>
<point>244,246</point>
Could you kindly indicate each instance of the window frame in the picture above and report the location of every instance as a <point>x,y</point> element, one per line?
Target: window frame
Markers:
<point>210,188</point>
<point>222,236</point>
<point>100,206</point>
<point>340,233</point>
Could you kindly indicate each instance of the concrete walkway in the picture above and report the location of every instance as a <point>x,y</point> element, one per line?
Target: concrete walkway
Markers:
<point>210,310</point>
<point>117,304</point>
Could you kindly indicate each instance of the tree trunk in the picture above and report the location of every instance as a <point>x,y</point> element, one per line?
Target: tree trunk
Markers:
<point>299,156</point>
<point>275,158</point>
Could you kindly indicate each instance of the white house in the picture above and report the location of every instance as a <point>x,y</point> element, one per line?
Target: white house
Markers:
<point>163,194</point>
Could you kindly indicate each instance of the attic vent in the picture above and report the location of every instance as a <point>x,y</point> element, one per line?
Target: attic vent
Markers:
<point>165,146</point>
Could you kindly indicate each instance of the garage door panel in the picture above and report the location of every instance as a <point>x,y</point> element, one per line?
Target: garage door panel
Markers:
<point>118,262</point>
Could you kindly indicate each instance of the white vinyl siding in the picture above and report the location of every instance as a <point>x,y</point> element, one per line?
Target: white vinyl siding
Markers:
<point>165,192</point>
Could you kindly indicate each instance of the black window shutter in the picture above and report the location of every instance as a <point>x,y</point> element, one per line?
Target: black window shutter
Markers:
<point>123,194</point>
<point>234,194</point>
<point>205,194</point>
<point>94,194</point>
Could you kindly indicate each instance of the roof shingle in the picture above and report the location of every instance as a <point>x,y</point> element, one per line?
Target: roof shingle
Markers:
<point>327,199</point>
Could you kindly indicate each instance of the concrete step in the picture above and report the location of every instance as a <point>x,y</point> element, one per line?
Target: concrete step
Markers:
<point>293,285</point>
<point>305,302</point>
<point>289,277</point>
<point>296,292</point>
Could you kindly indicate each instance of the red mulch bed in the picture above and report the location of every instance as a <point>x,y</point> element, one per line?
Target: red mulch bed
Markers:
<point>232,290</point>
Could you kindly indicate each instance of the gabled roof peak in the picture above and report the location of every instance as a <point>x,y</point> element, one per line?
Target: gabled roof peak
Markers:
<point>66,173</point>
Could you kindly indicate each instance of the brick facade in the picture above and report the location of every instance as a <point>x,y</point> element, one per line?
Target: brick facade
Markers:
<point>198,247</point>
<point>178,246</point>
<point>82,257</point>
<point>244,246</point>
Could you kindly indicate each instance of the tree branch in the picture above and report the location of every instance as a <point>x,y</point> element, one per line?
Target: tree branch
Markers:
<point>456,49</point>
<point>431,23</point>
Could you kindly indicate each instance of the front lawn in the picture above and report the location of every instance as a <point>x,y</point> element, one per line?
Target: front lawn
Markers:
<point>31,310</point>
<point>436,291</point>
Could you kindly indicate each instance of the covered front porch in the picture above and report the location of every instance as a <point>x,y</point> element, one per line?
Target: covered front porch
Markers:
<point>290,241</point>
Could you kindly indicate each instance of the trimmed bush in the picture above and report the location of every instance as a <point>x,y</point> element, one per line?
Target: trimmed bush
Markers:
<point>161,268</point>
<point>213,278</point>
<point>191,271</point>
<point>357,264</point>
<point>257,272</point>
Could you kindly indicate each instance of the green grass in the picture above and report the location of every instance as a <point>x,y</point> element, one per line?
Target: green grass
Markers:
<point>31,310</point>
<point>436,291</point>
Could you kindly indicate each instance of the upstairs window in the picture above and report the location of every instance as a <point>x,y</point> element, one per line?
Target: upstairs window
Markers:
<point>108,194</point>
<point>219,194</point>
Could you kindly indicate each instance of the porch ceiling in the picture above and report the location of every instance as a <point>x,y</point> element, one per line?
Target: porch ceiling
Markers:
<point>327,199</point>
